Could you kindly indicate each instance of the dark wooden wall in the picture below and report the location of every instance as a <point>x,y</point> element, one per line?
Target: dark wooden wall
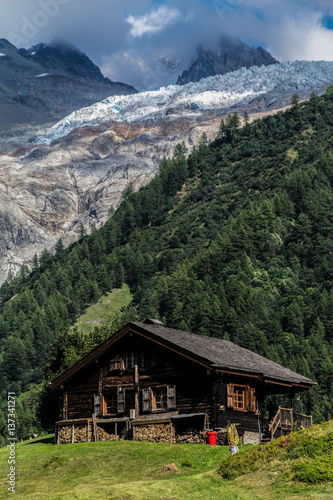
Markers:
<point>247,420</point>
<point>197,389</point>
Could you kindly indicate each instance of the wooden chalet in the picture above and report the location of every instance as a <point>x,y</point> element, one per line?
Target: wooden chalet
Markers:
<point>149,382</point>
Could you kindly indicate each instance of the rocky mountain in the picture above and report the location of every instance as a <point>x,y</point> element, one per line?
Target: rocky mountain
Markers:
<point>53,179</point>
<point>229,54</point>
<point>44,83</point>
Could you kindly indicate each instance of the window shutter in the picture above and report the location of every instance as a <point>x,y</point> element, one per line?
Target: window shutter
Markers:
<point>171,397</point>
<point>121,400</point>
<point>98,404</point>
<point>146,399</point>
<point>116,363</point>
<point>230,395</point>
<point>251,399</point>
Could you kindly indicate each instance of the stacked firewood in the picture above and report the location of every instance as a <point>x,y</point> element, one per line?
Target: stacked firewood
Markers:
<point>191,436</point>
<point>155,433</point>
<point>81,433</point>
<point>105,436</point>
<point>65,434</point>
<point>221,439</point>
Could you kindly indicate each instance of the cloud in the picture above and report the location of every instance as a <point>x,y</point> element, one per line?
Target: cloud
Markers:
<point>134,40</point>
<point>153,22</point>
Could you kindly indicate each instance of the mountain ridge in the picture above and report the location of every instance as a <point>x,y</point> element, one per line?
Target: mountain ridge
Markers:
<point>44,83</point>
<point>228,54</point>
<point>56,178</point>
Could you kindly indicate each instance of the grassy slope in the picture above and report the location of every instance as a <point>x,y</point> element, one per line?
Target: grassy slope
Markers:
<point>103,312</point>
<point>127,470</point>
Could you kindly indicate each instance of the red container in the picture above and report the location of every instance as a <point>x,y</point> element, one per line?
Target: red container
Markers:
<point>212,438</point>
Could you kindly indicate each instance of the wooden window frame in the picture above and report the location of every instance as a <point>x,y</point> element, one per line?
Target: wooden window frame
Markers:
<point>167,393</point>
<point>114,404</point>
<point>160,394</point>
<point>116,363</point>
<point>241,397</point>
<point>129,360</point>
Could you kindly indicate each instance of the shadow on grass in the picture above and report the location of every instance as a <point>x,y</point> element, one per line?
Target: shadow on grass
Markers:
<point>41,440</point>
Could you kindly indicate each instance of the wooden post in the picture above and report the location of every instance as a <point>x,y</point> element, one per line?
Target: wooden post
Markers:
<point>65,405</point>
<point>73,433</point>
<point>88,431</point>
<point>56,435</point>
<point>136,384</point>
<point>116,429</point>
<point>95,427</point>
<point>100,380</point>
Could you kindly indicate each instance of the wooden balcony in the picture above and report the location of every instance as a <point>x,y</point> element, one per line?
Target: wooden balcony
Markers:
<point>287,420</point>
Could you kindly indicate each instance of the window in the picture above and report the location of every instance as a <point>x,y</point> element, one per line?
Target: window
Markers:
<point>129,360</point>
<point>116,363</point>
<point>159,398</point>
<point>110,404</point>
<point>241,397</point>
<point>144,360</point>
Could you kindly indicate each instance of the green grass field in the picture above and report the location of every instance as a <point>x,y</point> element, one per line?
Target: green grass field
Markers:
<point>103,312</point>
<point>126,470</point>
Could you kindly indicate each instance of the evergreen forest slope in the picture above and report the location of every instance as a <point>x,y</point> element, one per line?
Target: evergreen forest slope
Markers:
<point>234,242</point>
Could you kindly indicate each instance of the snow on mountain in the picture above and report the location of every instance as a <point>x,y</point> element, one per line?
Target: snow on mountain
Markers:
<point>217,92</point>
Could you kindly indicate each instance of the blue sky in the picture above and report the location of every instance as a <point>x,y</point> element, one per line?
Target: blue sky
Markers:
<point>135,40</point>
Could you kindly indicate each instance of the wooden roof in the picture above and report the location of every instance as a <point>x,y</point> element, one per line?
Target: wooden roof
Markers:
<point>212,353</point>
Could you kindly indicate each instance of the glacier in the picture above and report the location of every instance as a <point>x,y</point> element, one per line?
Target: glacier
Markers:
<point>213,93</point>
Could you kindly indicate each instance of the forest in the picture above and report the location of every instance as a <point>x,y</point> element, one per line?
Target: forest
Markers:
<point>234,240</point>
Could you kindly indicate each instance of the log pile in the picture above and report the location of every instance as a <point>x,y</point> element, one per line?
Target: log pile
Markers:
<point>105,436</point>
<point>191,436</point>
<point>155,433</point>
<point>221,438</point>
<point>80,434</point>
<point>65,434</point>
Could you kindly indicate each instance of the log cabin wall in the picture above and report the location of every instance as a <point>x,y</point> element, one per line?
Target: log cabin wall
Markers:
<point>247,420</point>
<point>197,389</point>
<point>193,385</point>
<point>80,393</point>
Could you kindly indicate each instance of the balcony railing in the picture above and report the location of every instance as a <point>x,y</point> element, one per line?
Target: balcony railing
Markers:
<point>287,420</point>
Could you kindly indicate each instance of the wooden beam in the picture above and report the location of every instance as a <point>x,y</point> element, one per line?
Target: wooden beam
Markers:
<point>137,390</point>
<point>65,405</point>
<point>95,427</point>
<point>73,433</point>
<point>100,381</point>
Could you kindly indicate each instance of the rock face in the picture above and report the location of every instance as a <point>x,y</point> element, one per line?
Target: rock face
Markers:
<point>48,191</point>
<point>53,179</point>
<point>230,54</point>
<point>48,81</point>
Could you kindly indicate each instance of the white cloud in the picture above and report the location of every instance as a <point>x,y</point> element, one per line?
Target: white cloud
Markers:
<point>153,22</point>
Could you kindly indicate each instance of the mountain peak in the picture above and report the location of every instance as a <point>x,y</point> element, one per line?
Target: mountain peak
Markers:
<point>226,55</point>
<point>64,58</point>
